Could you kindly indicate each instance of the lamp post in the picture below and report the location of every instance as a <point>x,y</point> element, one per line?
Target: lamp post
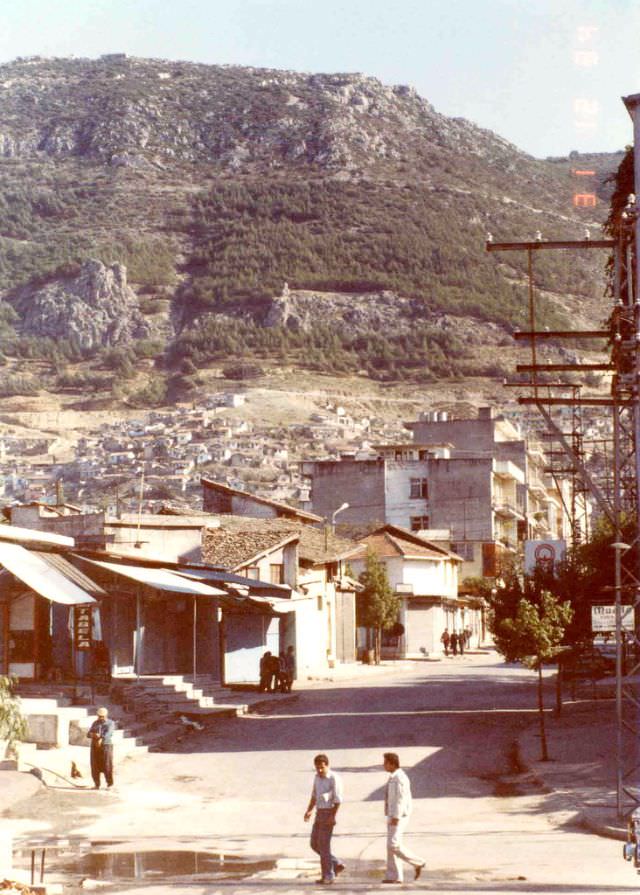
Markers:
<point>619,548</point>
<point>344,506</point>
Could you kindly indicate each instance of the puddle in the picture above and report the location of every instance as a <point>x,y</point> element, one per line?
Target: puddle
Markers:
<point>161,865</point>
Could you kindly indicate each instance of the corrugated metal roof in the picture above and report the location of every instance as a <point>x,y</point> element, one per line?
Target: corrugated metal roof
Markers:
<point>69,571</point>
<point>40,576</point>
<point>161,579</point>
<point>33,536</point>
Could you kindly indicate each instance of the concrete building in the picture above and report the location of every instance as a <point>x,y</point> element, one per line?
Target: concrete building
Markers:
<point>478,478</point>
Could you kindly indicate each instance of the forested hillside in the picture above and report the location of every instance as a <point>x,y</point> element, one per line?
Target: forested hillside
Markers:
<point>214,186</point>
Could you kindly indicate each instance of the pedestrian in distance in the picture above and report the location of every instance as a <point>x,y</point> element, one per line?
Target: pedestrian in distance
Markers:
<point>445,641</point>
<point>281,683</point>
<point>101,735</point>
<point>265,672</point>
<point>453,642</point>
<point>291,667</point>
<point>397,809</point>
<point>326,797</point>
<point>274,669</point>
<point>461,642</point>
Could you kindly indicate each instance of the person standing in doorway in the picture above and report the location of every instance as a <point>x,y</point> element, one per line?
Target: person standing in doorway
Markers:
<point>397,808</point>
<point>101,735</point>
<point>326,797</point>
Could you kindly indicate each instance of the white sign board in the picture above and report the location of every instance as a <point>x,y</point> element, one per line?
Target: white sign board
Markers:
<point>603,618</point>
<point>543,553</point>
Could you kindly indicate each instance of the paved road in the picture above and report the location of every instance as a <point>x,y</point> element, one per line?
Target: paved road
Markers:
<point>238,793</point>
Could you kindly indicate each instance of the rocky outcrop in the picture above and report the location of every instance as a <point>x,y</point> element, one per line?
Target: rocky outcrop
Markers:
<point>370,311</point>
<point>97,308</point>
<point>383,312</point>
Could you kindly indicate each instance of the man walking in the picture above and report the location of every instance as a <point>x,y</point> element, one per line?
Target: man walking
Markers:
<point>101,736</point>
<point>326,796</point>
<point>397,808</point>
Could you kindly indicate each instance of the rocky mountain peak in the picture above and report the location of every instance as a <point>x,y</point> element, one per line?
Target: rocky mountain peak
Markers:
<point>131,112</point>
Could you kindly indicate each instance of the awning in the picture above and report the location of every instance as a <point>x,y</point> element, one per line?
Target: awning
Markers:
<point>33,536</point>
<point>262,588</point>
<point>63,565</point>
<point>41,577</point>
<point>160,579</point>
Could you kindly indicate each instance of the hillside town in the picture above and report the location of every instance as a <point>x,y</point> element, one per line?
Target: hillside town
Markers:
<point>449,503</point>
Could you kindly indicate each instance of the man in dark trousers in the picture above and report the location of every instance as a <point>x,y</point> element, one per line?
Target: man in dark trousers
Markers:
<point>326,796</point>
<point>101,736</point>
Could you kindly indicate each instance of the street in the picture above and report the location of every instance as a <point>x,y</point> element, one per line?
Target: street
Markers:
<point>235,794</point>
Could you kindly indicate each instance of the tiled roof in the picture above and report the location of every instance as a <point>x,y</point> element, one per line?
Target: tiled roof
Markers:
<point>390,541</point>
<point>315,544</point>
<point>235,548</point>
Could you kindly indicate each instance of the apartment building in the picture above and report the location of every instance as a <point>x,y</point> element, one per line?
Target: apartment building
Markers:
<point>476,477</point>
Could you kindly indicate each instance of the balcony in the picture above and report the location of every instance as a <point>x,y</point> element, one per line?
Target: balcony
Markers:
<point>505,469</point>
<point>507,510</point>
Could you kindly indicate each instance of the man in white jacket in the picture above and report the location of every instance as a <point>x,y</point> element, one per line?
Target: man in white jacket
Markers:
<point>397,808</point>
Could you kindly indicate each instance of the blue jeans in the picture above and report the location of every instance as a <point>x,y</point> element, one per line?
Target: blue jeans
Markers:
<point>321,842</point>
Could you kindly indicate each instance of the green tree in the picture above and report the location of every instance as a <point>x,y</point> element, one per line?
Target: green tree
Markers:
<point>532,635</point>
<point>377,603</point>
<point>13,726</point>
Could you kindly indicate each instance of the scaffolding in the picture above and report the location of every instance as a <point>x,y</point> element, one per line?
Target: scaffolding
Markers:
<point>615,494</point>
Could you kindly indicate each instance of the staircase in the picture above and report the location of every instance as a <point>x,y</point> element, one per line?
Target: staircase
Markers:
<point>175,695</point>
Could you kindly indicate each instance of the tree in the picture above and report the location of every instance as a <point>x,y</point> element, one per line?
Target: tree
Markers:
<point>532,635</point>
<point>13,726</point>
<point>377,603</point>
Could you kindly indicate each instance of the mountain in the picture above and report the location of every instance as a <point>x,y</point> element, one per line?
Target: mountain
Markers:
<point>260,217</point>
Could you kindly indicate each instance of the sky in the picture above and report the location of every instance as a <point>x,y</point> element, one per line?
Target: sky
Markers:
<point>545,74</point>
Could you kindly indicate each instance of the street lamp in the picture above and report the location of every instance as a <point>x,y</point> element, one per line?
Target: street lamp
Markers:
<point>344,506</point>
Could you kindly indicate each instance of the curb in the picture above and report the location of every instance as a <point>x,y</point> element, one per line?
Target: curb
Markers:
<point>583,817</point>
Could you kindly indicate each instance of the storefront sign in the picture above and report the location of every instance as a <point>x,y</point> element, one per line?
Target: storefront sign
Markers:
<point>82,627</point>
<point>603,618</point>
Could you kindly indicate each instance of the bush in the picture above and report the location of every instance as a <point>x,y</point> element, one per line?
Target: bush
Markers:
<point>242,371</point>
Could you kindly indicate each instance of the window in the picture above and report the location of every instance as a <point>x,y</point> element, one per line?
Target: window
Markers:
<point>276,573</point>
<point>418,488</point>
<point>418,522</point>
<point>463,549</point>
<point>253,572</point>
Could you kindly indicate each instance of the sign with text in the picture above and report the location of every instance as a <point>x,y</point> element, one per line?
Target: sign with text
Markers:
<point>82,627</point>
<point>603,618</point>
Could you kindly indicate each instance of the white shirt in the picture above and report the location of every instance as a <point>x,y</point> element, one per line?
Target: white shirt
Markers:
<point>397,798</point>
<point>327,791</point>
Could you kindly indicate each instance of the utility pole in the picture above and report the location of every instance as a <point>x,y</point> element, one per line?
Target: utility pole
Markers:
<point>621,501</point>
